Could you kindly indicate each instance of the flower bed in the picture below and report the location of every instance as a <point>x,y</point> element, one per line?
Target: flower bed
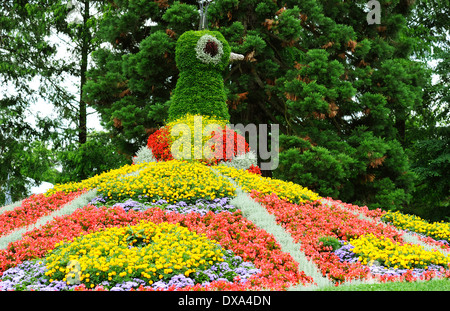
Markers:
<point>309,223</point>
<point>33,208</point>
<point>233,232</point>
<point>395,254</point>
<point>438,231</point>
<point>210,140</point>
<point>97,180</point>
<point>148,251</point>
<point>190,203</point>
<point>171,181</point>
<point>201,206</point>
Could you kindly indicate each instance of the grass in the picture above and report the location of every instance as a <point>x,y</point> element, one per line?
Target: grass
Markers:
<point>431,285</point>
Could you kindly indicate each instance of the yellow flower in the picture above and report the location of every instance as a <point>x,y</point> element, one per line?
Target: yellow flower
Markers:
<point>395,254</point>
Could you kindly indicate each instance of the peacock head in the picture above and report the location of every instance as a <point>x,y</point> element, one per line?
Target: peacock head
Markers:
<point>203,50</point>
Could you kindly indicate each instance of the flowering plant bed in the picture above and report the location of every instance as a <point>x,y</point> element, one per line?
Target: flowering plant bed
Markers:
<point>439,231</point>
<point>33,208</point>
<point>178,225</point>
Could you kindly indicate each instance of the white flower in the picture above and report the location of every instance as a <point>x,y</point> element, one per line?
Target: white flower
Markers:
<point>243,161</point>
<point>209,49</point>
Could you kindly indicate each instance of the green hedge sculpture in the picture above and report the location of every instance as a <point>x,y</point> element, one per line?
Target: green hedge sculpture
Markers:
<point>201,57</point>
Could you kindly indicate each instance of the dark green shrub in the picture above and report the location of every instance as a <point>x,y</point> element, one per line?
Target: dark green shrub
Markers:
<point>329,243</point>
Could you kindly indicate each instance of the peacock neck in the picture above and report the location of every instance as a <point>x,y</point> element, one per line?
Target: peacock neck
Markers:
<point>199,92</point>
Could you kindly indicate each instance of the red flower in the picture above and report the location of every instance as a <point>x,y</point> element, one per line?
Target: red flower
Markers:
<point>229,145</point>
<point>33,208</point>
<point>232,231</point>
<point>160,144</point>
<point>254,169</point>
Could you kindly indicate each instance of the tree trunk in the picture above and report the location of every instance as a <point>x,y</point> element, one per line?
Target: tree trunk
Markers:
<point>82,127</point>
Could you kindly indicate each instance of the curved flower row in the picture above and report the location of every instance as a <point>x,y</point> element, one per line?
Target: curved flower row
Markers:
<point>430,234</point>
<point>33,208</point>
<point>437,230</point>
<point>172,181</point>
<point>201,206</point>
<point>97,180</point>
<point>288,191</point>
<point>390,253</point>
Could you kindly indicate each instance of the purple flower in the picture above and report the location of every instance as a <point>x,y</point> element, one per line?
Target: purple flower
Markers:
<point>181,281</point>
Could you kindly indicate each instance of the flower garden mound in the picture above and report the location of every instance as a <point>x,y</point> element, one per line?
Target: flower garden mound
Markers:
<point>172,226</point>
<point>202,221</point>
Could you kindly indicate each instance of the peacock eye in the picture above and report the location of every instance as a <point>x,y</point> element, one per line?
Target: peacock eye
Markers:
<point>209,50</point>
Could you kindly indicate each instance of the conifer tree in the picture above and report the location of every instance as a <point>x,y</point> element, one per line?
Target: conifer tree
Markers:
<point>25,54</point>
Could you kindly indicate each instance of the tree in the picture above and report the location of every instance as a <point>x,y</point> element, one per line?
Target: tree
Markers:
<point>29,51</point>
<point>95,156</point>
<point>428,135</point>
<point>83,17</point>
<point>126,87</point>
<point>25,54</point>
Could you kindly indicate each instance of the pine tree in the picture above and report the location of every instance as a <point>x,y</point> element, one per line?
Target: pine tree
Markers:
<point>25,54</point>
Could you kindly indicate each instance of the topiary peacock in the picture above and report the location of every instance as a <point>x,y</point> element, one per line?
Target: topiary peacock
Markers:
<point>201,56</point>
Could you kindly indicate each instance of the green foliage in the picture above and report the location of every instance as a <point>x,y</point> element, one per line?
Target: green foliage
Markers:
<point>365,169</point>
<point>130,92</point>
<point>357,110</point>
<point>330,242</point>
<point>181,16</point>
<point>200,87</point>
<point>99,153</point>
<point>25,161</point>
<point>431,165</point>
<point>323,171</point>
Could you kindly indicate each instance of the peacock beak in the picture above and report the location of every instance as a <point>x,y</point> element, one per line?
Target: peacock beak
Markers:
<point>235,57</point>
